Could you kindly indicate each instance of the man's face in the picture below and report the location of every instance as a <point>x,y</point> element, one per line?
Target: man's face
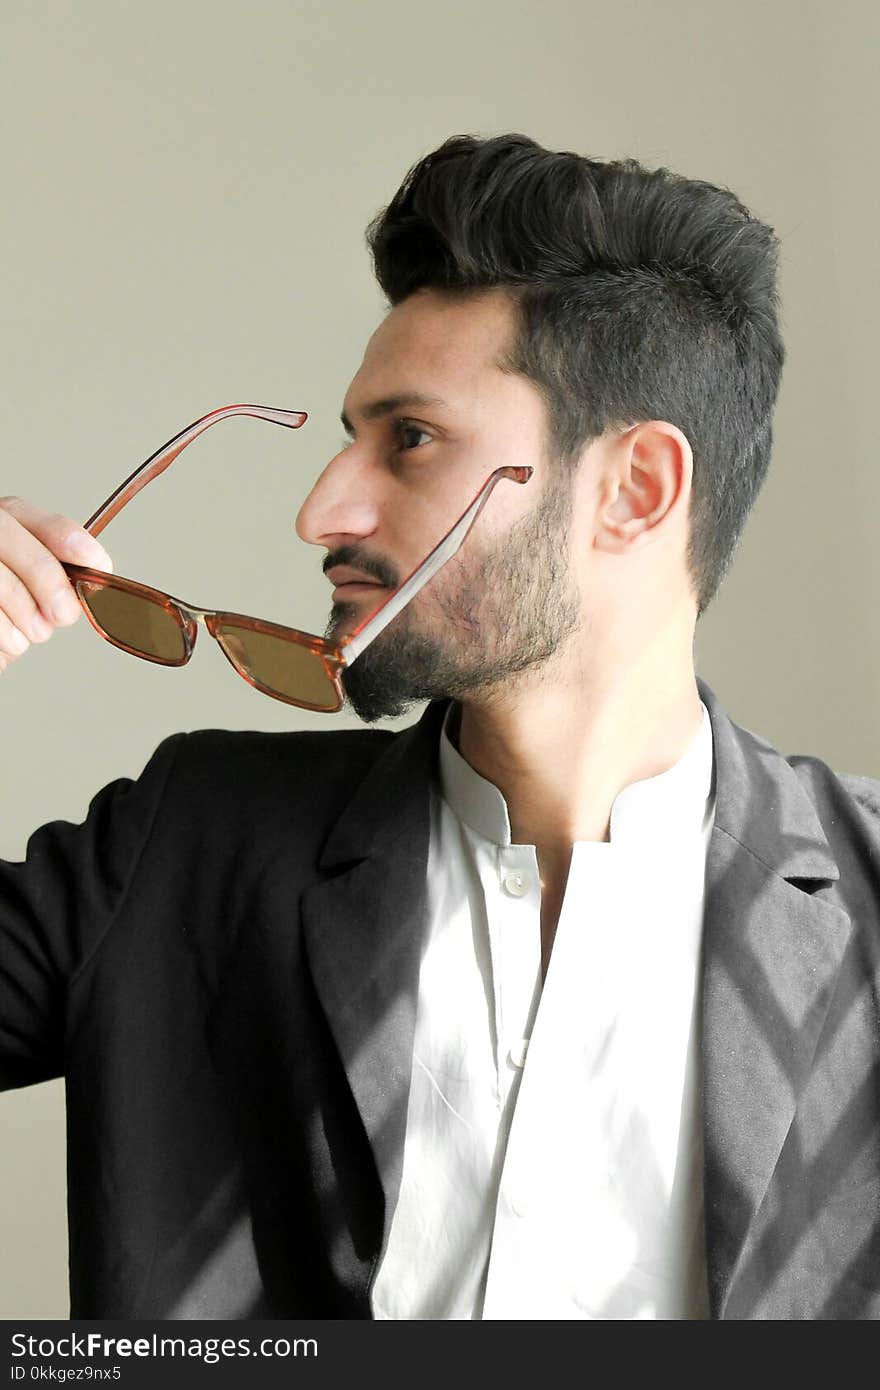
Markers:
<point>431,415</point>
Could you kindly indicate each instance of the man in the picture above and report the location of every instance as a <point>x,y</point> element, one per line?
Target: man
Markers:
<point>561,1003</point>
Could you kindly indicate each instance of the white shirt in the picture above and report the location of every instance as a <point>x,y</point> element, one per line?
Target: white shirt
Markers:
<point>552,1165</point>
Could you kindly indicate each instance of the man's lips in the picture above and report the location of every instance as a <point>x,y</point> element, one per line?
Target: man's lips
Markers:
<point>347,593</point>
<point>350,584</point>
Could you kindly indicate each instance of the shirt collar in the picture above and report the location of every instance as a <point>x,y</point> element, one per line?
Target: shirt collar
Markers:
<point>672,801</point>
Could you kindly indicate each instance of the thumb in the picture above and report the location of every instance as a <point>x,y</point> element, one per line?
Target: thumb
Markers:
<point>81,548</point>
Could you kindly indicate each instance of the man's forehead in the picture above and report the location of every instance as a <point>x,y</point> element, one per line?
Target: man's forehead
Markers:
<point>446,325</point>
<point>430,352</point>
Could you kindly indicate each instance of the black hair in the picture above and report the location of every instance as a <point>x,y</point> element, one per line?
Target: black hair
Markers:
<point>641,295</point>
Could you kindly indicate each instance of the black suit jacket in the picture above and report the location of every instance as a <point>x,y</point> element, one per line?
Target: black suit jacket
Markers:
<point>222,962</point>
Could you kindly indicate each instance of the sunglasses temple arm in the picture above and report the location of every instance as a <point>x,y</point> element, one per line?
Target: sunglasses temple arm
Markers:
<point>160,460</point>
<point>443,551</point>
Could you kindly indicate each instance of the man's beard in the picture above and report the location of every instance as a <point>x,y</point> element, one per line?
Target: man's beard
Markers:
<point>511,615</point>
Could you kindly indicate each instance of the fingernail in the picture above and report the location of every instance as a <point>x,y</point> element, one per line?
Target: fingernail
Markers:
<point>40,629</point>
<point>83,547</point>
<point>16,641</point>
<point>64,607</point>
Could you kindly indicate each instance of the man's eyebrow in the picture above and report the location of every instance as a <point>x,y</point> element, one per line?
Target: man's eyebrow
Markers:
<point>376,409</point>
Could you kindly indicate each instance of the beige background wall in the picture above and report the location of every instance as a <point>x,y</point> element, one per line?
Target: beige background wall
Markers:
<point>185,188</point>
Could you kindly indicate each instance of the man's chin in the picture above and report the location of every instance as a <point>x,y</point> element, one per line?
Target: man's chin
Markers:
<point>395,672</point>
<point>370,704</point>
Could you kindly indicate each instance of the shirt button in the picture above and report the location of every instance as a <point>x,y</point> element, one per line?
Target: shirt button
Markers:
<point>515,885</point>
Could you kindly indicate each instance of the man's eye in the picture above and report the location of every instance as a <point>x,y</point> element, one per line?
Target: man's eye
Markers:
<point>403,429</point>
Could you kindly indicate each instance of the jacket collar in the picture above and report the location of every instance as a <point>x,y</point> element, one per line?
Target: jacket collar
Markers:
<point>761,802</point>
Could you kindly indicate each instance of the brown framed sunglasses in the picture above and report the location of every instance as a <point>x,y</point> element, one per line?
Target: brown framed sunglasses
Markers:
<point>297,667</point>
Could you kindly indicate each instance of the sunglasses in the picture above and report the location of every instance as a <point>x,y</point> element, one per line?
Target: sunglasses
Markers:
<point>282,662</point>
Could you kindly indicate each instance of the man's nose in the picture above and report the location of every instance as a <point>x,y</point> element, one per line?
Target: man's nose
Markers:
<point>340,507</point>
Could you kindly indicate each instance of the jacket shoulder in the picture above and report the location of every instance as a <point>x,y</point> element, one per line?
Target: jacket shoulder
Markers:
<point>847,805</point>
<point>866,792</point>
<point>823,782</point>
<point>314,769</point>
<point>331,748</point>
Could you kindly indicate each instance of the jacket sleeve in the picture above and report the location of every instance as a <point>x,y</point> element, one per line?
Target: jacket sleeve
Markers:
<point>56,908</point>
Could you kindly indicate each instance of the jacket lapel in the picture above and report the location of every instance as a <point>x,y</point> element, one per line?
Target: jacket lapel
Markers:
<point>363,929</point>
<point>773,944</point>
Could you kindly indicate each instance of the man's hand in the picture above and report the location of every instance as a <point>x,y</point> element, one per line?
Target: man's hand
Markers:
<point>35,594</point>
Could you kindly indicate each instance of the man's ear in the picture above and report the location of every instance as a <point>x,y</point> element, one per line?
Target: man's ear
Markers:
<point>646,487</point>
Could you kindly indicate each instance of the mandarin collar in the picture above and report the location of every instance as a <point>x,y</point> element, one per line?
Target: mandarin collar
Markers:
<point>674,801</point>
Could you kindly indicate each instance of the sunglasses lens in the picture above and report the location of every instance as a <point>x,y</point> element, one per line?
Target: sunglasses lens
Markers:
<point>135,622</point>
<point>288,669</point>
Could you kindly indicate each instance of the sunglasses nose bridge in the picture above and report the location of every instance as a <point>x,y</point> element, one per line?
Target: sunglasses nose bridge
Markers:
<point>190,619</point>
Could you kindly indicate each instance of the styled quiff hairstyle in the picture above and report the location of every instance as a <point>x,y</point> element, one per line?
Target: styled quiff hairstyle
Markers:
<point>641,295</point>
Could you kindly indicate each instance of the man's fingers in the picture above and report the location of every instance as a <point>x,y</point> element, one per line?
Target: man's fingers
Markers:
<point>36,595</point>
<point>60,534</point>
<point>13,642</point>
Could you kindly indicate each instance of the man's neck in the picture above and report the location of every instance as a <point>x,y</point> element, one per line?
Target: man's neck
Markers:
<point>560,751</point>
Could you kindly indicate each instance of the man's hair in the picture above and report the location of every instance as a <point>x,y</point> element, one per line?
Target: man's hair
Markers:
<point>641,295</point>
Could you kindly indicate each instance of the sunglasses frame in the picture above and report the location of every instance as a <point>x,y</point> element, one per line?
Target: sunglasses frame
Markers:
<point>187,615</point>
<point>334,656</point>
